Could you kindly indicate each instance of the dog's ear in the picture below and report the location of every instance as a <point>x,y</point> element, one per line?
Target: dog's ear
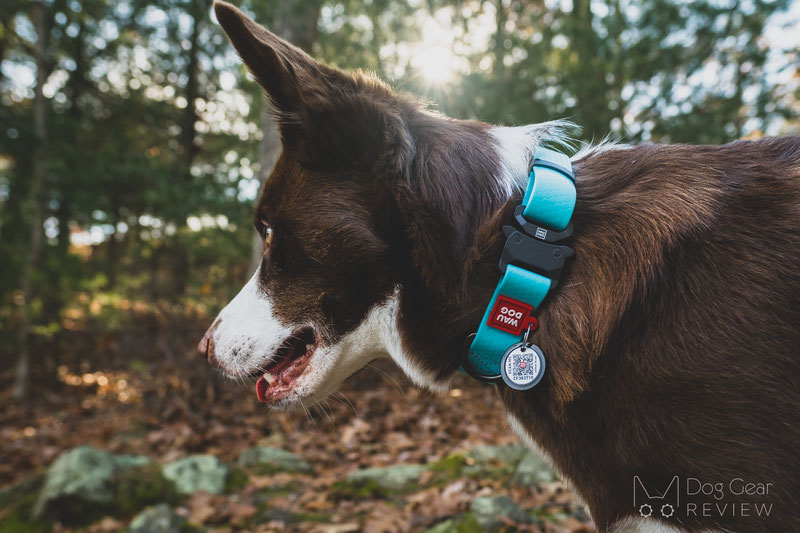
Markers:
<point>277,65</point>
<point>355,130</point>
<point>330,118</point>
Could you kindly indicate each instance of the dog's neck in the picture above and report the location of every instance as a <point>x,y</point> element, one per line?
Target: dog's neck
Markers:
<point>480,175</point>
<point>615,255</point>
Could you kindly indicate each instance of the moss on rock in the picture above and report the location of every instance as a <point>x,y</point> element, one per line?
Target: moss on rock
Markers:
<point>84,484</point>
<point>158,519</point>
<point>237,479</point>
<point>379,482</point>
<point>196,473</point>
<point>265,460</point>
<point>464,523</point>
<point>489,511</point>
<point>136,488</point>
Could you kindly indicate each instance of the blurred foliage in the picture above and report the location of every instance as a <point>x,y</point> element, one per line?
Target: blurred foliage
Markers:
<point>153,125</point>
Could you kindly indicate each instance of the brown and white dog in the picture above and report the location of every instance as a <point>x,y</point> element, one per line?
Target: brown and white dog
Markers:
<point>670,400</point>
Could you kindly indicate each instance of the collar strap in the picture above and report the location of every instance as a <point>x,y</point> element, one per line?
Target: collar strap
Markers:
<point>531,263</point>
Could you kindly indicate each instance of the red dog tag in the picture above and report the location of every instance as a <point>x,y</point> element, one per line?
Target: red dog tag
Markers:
<point>511,316</point>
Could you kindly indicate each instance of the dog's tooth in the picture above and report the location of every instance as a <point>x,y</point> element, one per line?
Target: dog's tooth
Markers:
<point>269,378</point>
<point>308,347</point>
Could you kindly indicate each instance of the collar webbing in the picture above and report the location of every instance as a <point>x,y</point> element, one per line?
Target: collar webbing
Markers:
<point>531,264</point>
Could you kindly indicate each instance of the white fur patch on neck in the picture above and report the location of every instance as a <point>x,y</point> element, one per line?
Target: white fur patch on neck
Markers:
<point>333,364</point>
<point>516,146</point>
<point>394,348</point>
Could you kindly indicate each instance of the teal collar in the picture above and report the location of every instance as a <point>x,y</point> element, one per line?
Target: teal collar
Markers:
<point>531,265</point>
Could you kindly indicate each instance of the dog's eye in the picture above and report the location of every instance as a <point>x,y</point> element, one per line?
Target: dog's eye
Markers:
<point>267,232</point>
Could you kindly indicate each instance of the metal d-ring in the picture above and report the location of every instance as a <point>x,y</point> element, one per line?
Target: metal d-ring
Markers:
<point>525,337</point>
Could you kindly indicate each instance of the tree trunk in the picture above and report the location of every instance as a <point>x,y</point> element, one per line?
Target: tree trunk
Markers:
<point>589,73</point>
<point>499,66</point>
<point>296,22</point>
<point>198,10</point>
<point>76,84</point>
<point>22,382</point>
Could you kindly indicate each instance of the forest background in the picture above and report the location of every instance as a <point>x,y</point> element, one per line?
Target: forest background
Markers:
<point>133,143</point>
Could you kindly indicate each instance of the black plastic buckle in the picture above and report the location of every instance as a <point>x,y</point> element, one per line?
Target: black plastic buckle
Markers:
<point>534,255</point>
<point>540,232</point>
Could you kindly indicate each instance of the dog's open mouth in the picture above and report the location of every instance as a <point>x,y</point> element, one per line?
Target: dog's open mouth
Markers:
<point>290,361</point>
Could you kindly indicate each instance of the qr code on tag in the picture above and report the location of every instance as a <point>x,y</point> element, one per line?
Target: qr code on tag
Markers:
<point>524,366</point>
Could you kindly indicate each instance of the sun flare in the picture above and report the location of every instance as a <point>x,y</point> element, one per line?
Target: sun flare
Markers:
<point>436,64</point>
<point>434,58</point>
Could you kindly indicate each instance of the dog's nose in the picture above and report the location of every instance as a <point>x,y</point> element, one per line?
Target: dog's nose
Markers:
<point>206,346</point>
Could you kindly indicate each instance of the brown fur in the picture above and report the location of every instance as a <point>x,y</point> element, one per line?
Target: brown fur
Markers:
<point>673,343</point>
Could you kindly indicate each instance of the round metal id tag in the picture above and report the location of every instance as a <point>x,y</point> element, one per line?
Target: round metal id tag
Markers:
<point>522,366</point>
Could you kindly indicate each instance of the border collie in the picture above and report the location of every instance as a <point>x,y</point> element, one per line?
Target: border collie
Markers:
<point>670,400</point>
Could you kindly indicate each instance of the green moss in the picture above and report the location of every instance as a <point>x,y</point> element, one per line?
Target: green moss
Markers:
<point>459,465</point>
<point>366,490</point>
<point>266,469</point>
<point>447,469</point>
<point>136,488</point>
<point>379,482</point>
<point>10,496</point>
<point>17,514</point>
<point>319,518</point>
<point>360,490</point>
<point>263,496</point>
<point>237,479</point>
<point>265,460</point>
<point>464,523</point>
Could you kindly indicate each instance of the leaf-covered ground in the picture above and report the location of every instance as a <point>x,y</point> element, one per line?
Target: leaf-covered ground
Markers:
<point>170,405</point>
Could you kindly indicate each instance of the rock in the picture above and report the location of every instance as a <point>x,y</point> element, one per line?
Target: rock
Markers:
<point>489,510</point>
<point>157,519</point>
<point>83,482</point>
<point>136,488</point>
<point>197,472</point>
<point>494,462</point>
<point>395,478</point>
<point>266,460</point>
<point>509,454</point>
<point>532,470</point>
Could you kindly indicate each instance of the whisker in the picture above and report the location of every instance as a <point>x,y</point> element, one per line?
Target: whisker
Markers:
<point>393,381</point>
<point>318,403</point>
<point>346,401</point>
<point>308,414</point>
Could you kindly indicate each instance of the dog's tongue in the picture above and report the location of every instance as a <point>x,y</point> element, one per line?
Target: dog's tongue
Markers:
<point>261,389</point>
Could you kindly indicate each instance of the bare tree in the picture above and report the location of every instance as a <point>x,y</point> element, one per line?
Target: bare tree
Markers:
<point>41,20</point>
